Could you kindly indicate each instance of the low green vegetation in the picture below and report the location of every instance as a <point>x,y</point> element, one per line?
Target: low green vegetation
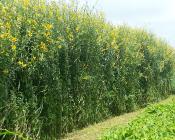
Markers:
<point>156,123</point>
<point>63,67</point>
<point>6,134</point>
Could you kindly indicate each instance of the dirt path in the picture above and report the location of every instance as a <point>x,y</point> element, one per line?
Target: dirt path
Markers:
<point>94,131</point>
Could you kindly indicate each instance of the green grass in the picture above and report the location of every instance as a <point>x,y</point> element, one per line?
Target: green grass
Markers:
<point>96,131</point>
<point>6,134</point>
<point>157,122</point>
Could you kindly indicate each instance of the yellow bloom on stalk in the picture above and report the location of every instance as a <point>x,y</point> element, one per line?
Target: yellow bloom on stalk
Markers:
<point>14,39</point>
<point>29,33</point>
<point>26,2</point>
<point>13,47</point>
<point>48,26</point>
<point>7,25</point>
<point>113,35</point>
<point>47,34</point>
<point>34,22</point>
<point>59,47</point>
<point>113,44</point>
<point>43,47</point>
<point>70,36</point>
<point>22,64</point>
<point>4,35</point>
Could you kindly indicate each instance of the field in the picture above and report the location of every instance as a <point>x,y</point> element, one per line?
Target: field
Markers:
<point>156,123</point>
<point>63,67</point>
<point>109,127</point>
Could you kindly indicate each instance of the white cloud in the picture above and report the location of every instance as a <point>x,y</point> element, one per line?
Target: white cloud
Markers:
<point>155,15</point>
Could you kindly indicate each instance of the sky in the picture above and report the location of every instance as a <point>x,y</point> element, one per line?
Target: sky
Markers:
<point>157,16</point>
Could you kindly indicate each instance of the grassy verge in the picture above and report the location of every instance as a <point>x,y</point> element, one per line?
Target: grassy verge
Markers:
<point>6,134</point>
<point>95,131</point>
<point>157,122</point>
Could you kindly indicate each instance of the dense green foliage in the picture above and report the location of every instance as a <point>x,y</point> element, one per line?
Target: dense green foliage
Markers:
<point>63,67</point>
<point>6,134</point>
<point>156,123</point>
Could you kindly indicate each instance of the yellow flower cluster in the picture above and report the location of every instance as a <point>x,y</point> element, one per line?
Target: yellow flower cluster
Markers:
<point>48,26</point>
<point>13,47</point>
<point>4,35</point>
<point>59,47</point>
<point>43,47</point>
<point>13,39</point>
<point>29,33</point>
<point>22,64</point>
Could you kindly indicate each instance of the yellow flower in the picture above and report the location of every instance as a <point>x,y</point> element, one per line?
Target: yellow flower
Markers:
<point>47,34</point>
<point>70,37</point>
<point>14,39</point>
<point>113,44</point>
<point>59,47</point>
<point>4,35</point>
<point>43,47</point>
<point>26,2</point>
<point>5,71</point>
<point>29,33</point>
<point>33,22</point>
<point>48,26</point>
<point>7,25</point>
<point>13,47</point>
<point>22,64</point>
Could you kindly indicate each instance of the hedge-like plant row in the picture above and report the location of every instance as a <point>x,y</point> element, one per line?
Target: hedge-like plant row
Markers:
<point>63,67</point>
